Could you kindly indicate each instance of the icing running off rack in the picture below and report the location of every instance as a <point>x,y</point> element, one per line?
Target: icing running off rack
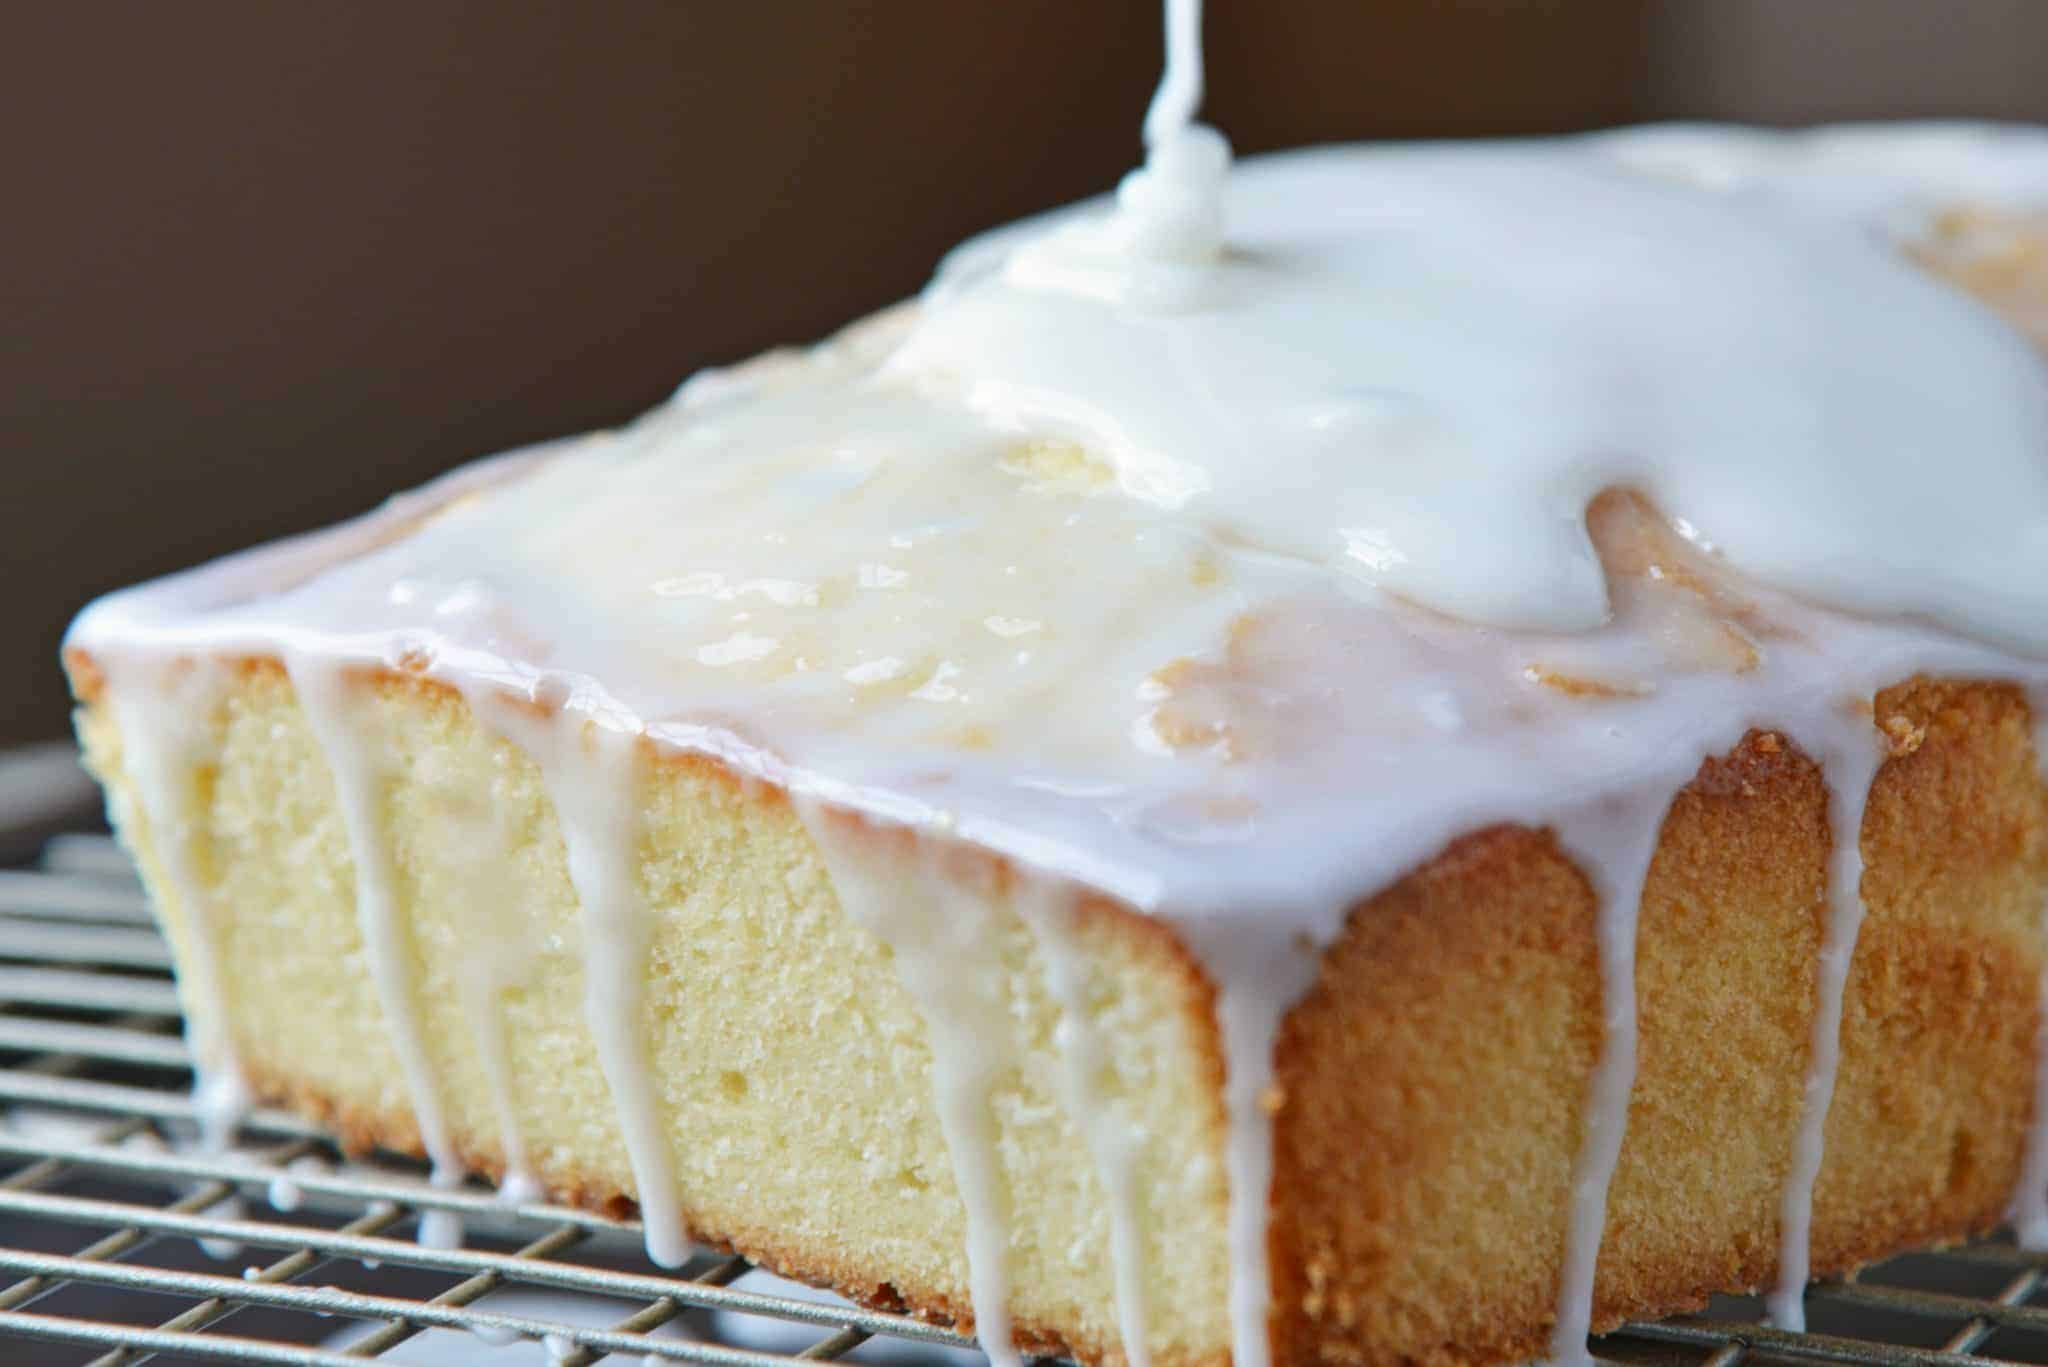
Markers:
<point>1226,549</point>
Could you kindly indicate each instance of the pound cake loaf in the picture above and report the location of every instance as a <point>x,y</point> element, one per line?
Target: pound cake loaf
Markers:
<point>1379,755</point>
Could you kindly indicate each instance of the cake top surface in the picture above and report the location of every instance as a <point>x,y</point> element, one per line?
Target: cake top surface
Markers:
<point>1417,365</point>
<point>1157,529</point>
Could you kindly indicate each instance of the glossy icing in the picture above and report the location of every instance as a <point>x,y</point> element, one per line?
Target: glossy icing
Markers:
<point>594,782</point>
<point>1613,841</point>
<point>1049,908</point>
<point>946,948</point>
<point>356,762</point>
<point>164,712</point>
<point>1851,763</point>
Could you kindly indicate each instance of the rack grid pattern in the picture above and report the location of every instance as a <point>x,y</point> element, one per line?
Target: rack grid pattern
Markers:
<point>121,1241</point>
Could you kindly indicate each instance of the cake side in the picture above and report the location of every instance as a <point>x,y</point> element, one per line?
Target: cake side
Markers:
<point>1939,1027</point>
<point>792,1069</point>
<point>1431,1087</point>
<point>1432,1080</point>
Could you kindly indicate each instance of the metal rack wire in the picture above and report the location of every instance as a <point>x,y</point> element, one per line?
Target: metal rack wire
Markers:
<point>121,1241</point>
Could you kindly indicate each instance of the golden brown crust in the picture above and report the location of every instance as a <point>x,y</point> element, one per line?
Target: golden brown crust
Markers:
<point>1939,1027</point>
<point>1421,1158</point>
<point>1731,924</point>
<point>88,680</point>
<point>1390,1082</point>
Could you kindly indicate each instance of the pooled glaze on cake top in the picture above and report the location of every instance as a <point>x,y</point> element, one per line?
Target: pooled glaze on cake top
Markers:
<point>1232,548</point>
<point>927,587</point>
<point>1417,365</point>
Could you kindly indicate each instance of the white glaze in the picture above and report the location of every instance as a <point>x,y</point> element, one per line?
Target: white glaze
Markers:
<point>487,1029</point>
<point>1250,1002</point>
<point>441,1228</point>
<point>593,781</point>
<point>285,1193</point>
<point>1612,842</point>
<point>1180,84</point>
<point>1308,396</point>
<point>1050,910</point>
<point>348,741</point>
<point>164,712</point>
<point>223,1250</point>
<point>519,1187</point>
<point>1849,754</point>
<point>947,953</point>
<point>503,953</point>
<point>1417,365</point>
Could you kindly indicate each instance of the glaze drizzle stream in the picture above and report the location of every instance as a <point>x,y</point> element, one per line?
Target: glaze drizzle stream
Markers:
<point>947,953</point>
<point>1180,87</point>
<point>506,958</point>
<point>1849,762</point>
<point>592,774</point>
<point>1612,842</point>
<point>346,735</point>
<point>165,711</point>
<point>1051,910</point>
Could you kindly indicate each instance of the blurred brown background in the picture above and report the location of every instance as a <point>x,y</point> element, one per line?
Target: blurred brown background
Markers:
<point>263,261</point>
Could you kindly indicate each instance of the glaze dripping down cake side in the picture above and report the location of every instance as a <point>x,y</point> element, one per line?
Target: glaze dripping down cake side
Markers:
<point>1265,775</point>
<point>1429,1086</point>
<point>1431,1078</point>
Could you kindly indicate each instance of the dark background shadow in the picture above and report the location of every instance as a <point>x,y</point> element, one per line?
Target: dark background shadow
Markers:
<point>262,262</point>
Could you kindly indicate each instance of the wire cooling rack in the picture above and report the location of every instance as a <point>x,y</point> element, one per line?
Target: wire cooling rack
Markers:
<point>120,1241</point>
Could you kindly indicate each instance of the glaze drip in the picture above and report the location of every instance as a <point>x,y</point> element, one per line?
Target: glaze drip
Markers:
<point>1050,910</point>
<point>487,1030</point>
<point>1249,1016</point>
<point>590,767</point>
<point>947,952</point>
<point>165,711</point>
<point>348,742</point>
<point>1612,843</point>
<point>1850,755</point>
<point>1180,87</point>
<point>505,956</point>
